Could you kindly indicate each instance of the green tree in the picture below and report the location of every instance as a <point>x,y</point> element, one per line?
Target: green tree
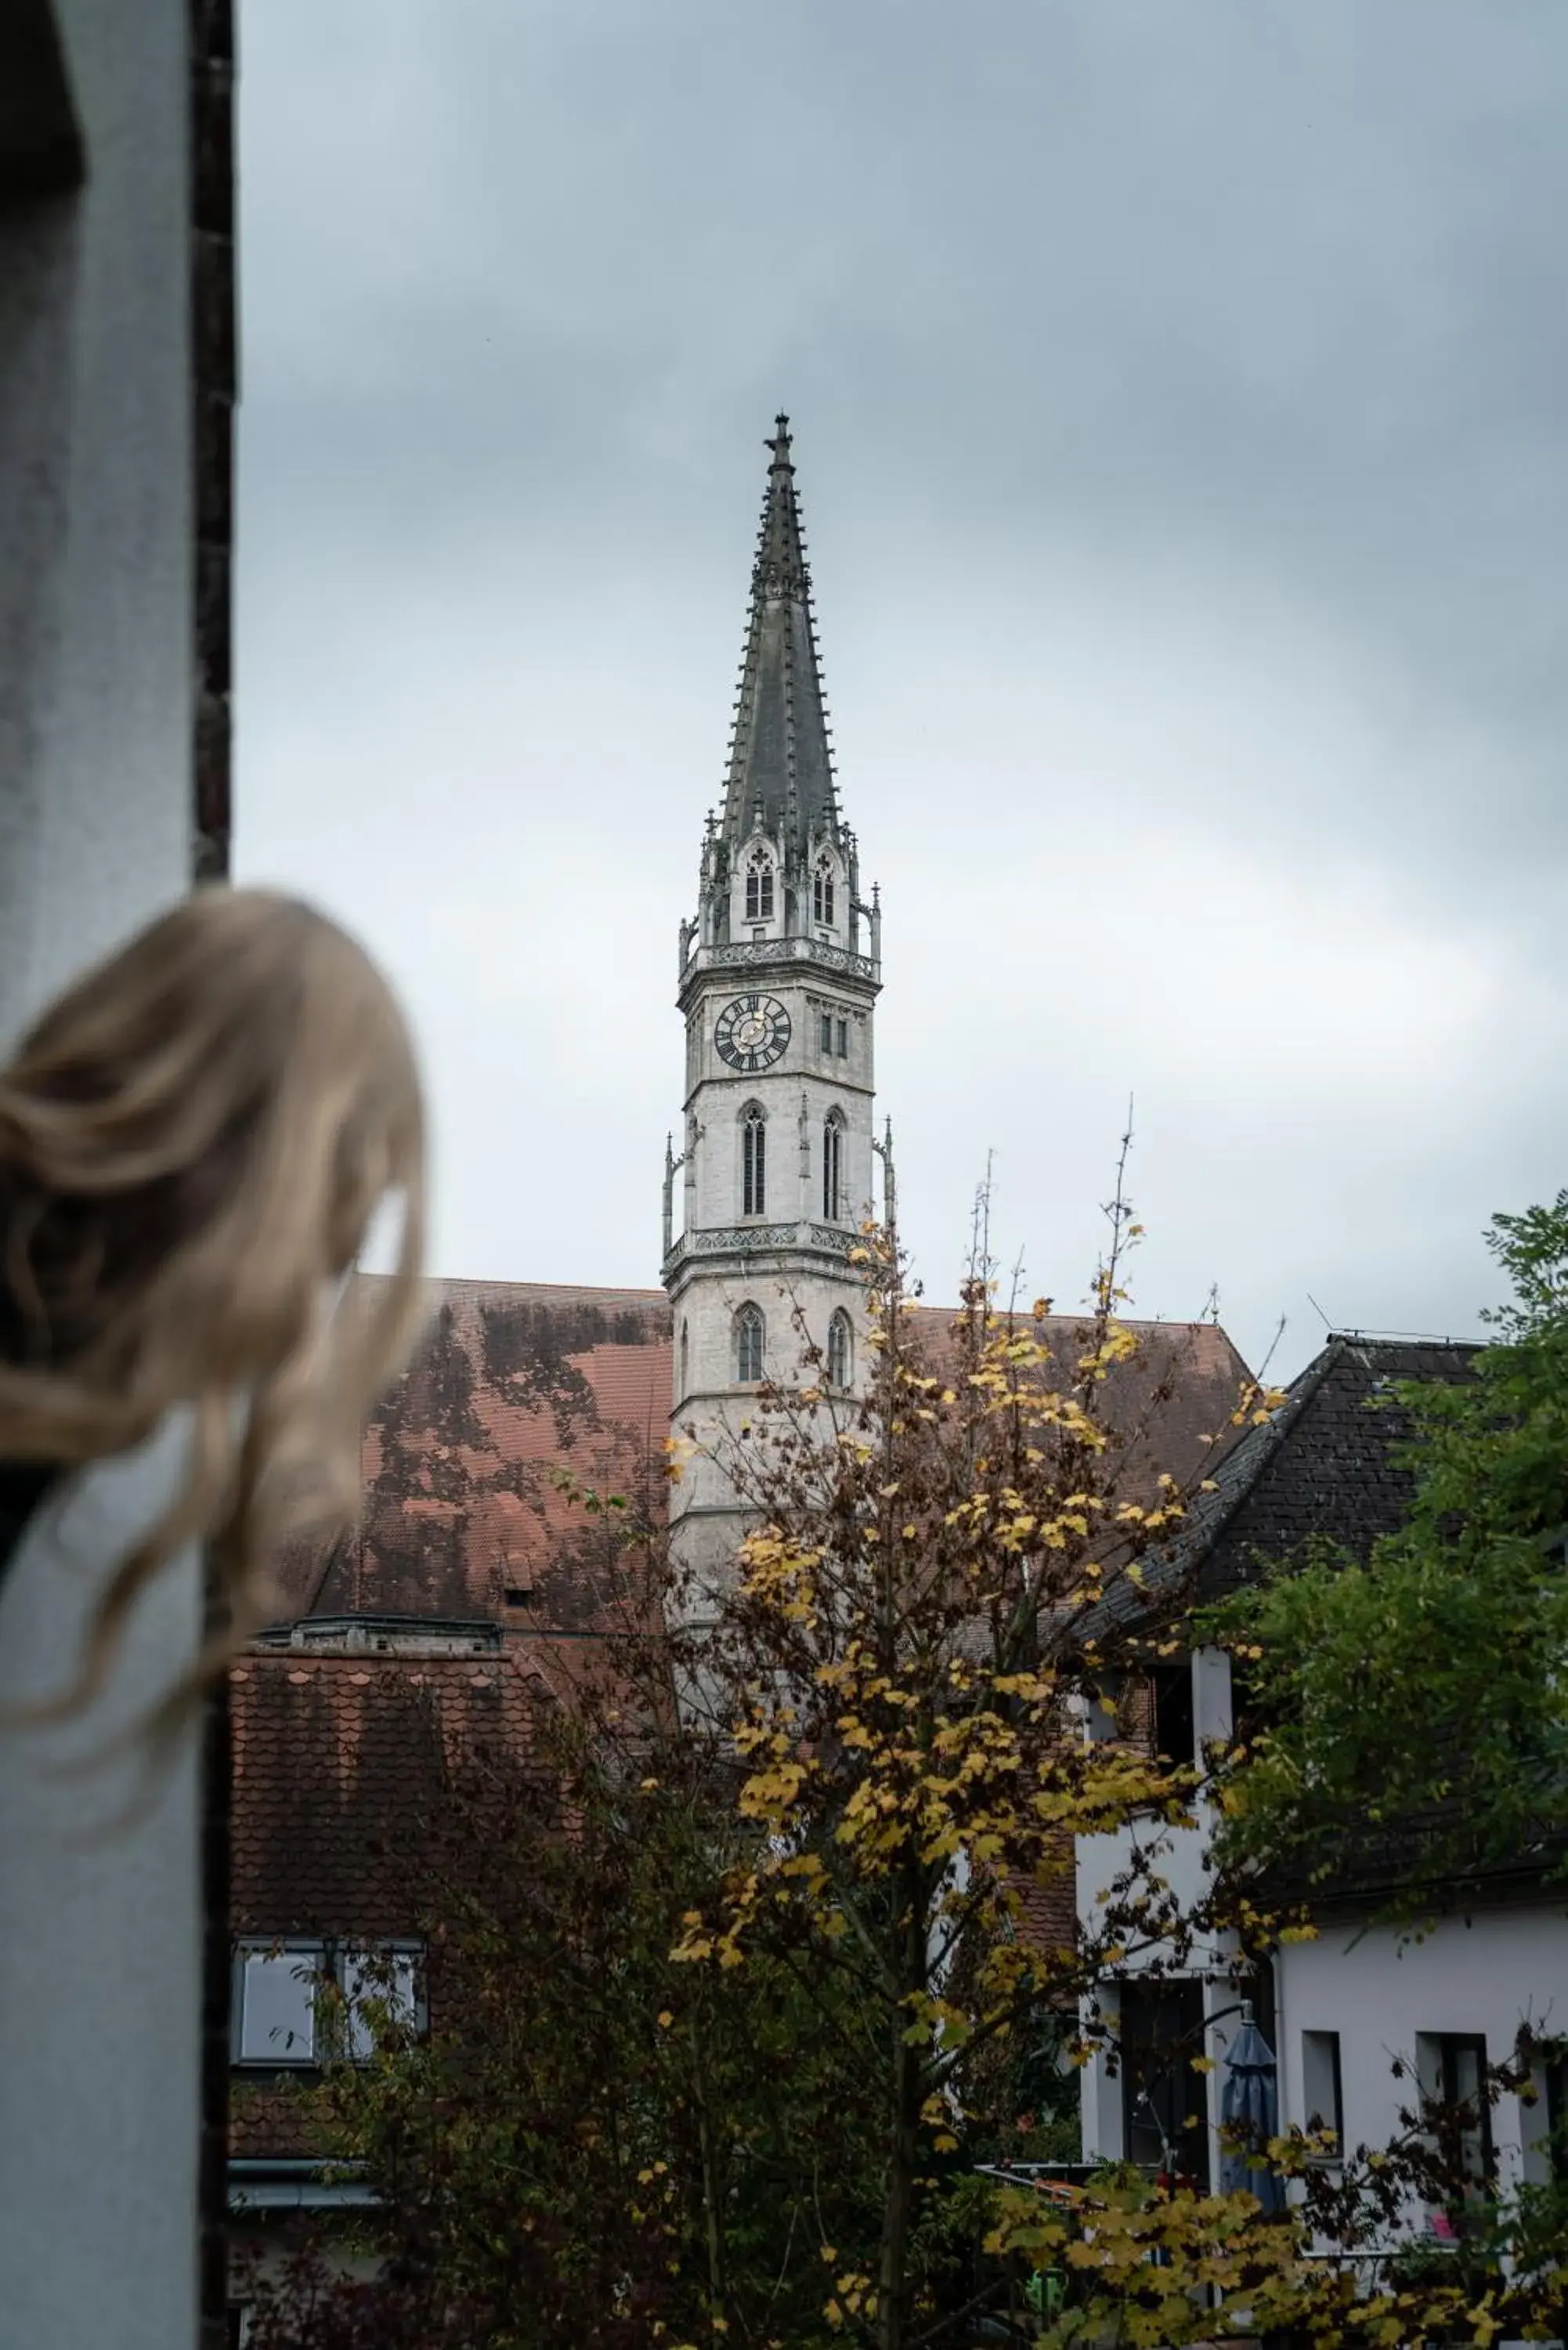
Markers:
<point>1417,1700</point>
<point>590,2144</point>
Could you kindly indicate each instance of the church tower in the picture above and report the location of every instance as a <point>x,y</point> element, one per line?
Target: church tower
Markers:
<point>779,976</point>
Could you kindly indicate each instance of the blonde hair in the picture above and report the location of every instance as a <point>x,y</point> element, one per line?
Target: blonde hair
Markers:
<point>194,1142</point>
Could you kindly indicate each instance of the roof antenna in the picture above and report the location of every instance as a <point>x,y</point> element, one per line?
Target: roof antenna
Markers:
<point>1322,1316</point>
<point>1268,1358</point>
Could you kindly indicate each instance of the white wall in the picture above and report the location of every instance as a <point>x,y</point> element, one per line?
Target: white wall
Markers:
<point>1486,1975</point>
<point>99,1943</point>
<point>1175,1856</point>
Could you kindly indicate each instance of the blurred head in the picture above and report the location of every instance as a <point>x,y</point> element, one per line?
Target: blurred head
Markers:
<point>194,1142</point>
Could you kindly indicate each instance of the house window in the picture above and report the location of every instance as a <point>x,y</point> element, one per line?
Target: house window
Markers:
<point>276,1992</point>
<point>828,1032</point>
<point>1323,2094</point>
<point>1175,1730</point>
<point>381,1996</point>
<point>1557,2118</point>
<point>760,889</point>
<point>843,1040</point>
<point>1452,2070</point>
<point>840,1355</point>
<point>1165,2103</point>
<point>754,1162</point>
<point>1102,1705</point>
<point>749,1335</point>
<point>300,2002</point>
<point>822,891</point>
<point>832,1167</point>
<point>1543,2120</point>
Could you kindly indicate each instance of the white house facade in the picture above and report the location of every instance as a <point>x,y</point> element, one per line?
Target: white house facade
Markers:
<point>1363,2017</point>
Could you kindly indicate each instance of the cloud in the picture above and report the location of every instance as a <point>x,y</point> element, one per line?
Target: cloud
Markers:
<point>1184,447</point>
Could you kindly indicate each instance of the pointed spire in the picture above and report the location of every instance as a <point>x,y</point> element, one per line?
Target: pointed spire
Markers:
<point>780,756</point>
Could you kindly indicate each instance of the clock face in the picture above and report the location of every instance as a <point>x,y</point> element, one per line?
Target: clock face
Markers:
<point>753,1032</point>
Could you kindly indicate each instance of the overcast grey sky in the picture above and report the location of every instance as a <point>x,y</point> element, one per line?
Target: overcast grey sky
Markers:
<point>1181,393</point>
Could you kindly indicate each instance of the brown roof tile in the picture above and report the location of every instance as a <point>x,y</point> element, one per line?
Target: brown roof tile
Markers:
<point>515,1381</point>
<point>337,1762</point>
<point>1177,1391</point>
<point>342,1765</point>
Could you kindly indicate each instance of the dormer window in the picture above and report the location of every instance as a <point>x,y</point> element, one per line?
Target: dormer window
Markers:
<point>822,891</point>
<point>296,2002</point>
<point>759,888</point>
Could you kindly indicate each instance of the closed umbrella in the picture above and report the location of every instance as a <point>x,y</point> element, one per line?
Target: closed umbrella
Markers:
<point>1250,2117</point>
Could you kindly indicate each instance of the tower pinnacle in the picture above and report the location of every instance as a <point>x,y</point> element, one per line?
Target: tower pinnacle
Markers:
<point>781,763</point>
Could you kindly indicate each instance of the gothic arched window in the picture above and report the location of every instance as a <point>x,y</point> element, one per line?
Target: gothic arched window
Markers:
<point>753,1161</point>
<point>833,1167</point>
<point>840,1355</point>
<point>750,1332</point>
<point>759,887</point>
<point>822,890</point>
<point>685,1357</point>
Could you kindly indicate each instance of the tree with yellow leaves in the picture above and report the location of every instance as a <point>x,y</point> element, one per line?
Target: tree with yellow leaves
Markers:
<point>903,1661</point>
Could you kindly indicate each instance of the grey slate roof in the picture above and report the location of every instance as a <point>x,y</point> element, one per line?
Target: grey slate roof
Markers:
<point>780,760</point>
<point>1325,1468</point>
<point>1327,1465</point>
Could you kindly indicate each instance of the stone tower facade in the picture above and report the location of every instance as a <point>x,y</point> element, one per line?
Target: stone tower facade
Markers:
<point>779,978</point>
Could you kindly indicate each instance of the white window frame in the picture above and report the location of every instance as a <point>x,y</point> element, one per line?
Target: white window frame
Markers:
<point>276,1950</point>
<point>1322,2087</point>
<point>331,1961</point>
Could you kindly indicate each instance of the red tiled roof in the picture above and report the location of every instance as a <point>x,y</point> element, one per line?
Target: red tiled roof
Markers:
<point>1048,1912</point>
<point>1179,1389</point>
<point>516,1381</point>
<point>340,1767</point>
<point>512,1382</point>
<point>336,1761</point>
